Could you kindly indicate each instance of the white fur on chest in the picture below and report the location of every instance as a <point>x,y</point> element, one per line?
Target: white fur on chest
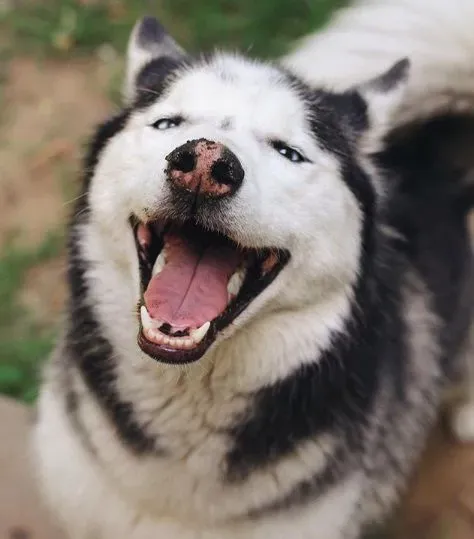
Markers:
<point>93,506</point>
<point>185,479</point>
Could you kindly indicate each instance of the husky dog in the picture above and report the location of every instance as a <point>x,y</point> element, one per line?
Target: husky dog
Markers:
<point>270,284</point>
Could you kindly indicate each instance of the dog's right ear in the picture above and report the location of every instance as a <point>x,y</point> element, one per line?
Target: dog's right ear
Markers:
<point>149,42</point>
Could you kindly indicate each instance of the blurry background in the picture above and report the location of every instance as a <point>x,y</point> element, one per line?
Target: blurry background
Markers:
<point>61,66</point>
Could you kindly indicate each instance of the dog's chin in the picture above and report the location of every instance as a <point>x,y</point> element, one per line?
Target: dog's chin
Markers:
<point>194,283</point>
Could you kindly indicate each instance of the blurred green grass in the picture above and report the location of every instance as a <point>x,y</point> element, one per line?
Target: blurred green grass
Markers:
<point>23,340</point>
<point>66,28</point>
<point>260,27</point>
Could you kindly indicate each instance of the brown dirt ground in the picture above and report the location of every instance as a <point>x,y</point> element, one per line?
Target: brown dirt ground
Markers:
<point>50,109</point>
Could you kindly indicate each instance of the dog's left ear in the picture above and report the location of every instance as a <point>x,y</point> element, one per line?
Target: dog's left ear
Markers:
<point>383,96</point>
<point>149,42</point>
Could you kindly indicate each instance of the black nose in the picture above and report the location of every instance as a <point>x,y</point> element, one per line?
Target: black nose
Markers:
<point>181,160</point>
<point>205,167</point>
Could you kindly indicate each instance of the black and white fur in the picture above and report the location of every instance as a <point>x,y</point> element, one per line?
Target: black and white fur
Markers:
<point>306,416</point>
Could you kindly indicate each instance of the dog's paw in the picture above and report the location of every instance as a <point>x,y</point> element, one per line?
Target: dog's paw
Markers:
<point>462,421</point>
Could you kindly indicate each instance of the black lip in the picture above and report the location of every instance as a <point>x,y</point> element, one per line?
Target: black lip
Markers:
<point>171,356</point>
<point>252,286</point>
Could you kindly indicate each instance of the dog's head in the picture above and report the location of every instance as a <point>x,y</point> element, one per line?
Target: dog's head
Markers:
<point>229,192</point>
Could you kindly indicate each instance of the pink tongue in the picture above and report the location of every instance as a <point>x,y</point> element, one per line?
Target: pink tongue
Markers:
<point>192,287</point>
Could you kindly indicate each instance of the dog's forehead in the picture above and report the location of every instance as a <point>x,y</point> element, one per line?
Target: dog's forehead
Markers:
<point>237,88</point>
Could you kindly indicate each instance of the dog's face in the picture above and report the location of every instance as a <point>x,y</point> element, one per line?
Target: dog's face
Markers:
<point>231,192</point>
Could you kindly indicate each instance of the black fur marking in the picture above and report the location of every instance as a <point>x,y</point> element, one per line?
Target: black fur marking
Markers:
<point>227,124</point>
<point>92,353</point>
<point>103,134</point>
<point>72,409</point>
<point>154,78</point>
<point>393,77</point>
<point>339,462</point>
<point>150,32</point>
<point>376,531</point>
<point>327,127</point>
<point>363,190</point>
<point>337,120</point>
<point>336,117</point>
<point>433,160</point>
<point>350,111</point>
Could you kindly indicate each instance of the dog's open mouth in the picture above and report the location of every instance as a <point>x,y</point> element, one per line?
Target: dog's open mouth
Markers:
<point>195,282</point>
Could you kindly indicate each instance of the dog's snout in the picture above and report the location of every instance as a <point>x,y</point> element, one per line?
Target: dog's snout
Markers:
<point>205,168</point>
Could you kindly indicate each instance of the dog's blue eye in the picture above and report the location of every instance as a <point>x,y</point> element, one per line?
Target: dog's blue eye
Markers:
<point>289,153</point>
<point>167,123</point>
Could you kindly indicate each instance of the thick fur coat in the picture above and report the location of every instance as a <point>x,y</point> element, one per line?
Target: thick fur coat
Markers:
<point>308,410</point>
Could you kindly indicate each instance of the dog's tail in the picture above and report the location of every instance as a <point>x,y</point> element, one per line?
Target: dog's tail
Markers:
<point>365,39</point>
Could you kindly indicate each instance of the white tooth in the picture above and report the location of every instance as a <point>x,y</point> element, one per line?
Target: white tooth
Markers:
<point>176,342</point>
<point>159,263</point>
<point>147,333</point>
<point>197,335</point>
<point>159,337</point>
<point>152,335</point>
<point>147,321</point>
<point>235,283</point>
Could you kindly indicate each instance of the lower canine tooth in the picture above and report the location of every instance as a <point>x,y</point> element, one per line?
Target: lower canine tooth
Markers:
<point>159,263</point>
<point>197,335</point>
<point>147,321</point>
<point>235,282</point>
<point>143,236</point>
